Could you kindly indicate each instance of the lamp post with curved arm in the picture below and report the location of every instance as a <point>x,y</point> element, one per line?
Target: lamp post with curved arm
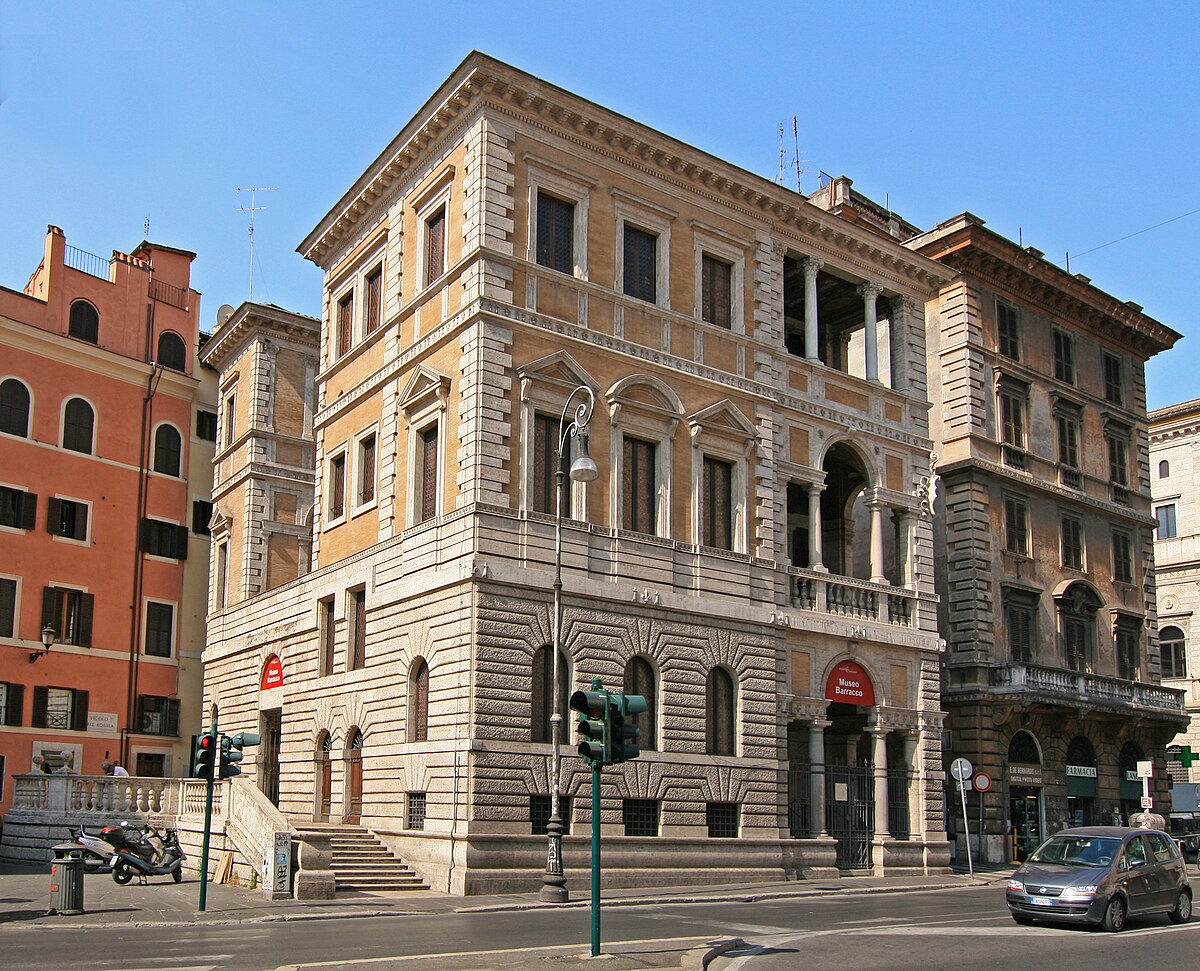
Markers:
<point>582,469</point>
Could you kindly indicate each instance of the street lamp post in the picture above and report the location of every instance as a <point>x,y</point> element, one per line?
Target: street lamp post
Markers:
<point>583,469</point>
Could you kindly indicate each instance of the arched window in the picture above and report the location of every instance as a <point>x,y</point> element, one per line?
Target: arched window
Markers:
<point>78,424</point>
<point>640,679</point>
<point>720,728</point>
<point>1024,749</point>
<point>84,322</point>
<point>418,701</point>
<point>14,408</point>
<point>542,694</point>
<point>1164,469</point>
<point>172,352</point>
<point>168,450</point>
<point>1173,649</point>
<point>324,774</point>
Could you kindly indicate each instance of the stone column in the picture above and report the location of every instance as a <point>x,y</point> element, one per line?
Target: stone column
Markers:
<point>870,291</point>
<point>810,266</point>
<point>879,757</point>
<point>815,552</point>
<point>877,571</point>
<point>915,826</point>
<point>816,775</point>
<point>899,343</point>
<point>905,521</point>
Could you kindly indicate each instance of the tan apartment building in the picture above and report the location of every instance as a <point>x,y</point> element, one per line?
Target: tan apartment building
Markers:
<point>756,556</point>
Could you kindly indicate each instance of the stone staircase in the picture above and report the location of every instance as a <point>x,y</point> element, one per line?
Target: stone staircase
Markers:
<point>362,862</point>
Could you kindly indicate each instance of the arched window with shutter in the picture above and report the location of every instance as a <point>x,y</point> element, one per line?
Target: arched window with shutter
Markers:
<point>418,701</point>
<point>79,421</point>
<point>168,450</point>
<point>14,407</point>
<point>84,322</point>
<point>172,351</point>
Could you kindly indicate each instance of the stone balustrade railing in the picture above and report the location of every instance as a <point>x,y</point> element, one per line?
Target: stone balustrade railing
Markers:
<point>848,597</point>
<point>1087,687</point>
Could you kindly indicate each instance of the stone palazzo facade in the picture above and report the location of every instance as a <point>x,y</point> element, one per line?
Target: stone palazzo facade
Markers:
<point>756,556</point>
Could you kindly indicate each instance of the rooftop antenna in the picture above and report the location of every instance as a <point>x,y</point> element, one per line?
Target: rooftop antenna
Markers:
<point>146,228</point>
<point>252,209</point>
<point>796,152</point>
<point>781,154</point>
<point>795,160</point>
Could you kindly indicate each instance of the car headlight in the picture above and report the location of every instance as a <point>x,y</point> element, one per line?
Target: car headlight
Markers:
<point>1016,885</point>
<point>1079,893</point>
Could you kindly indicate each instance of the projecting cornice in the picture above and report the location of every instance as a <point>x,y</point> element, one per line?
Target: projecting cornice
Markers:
<point>484,81</point>
<point>255,318</point>
<point>966,245</point>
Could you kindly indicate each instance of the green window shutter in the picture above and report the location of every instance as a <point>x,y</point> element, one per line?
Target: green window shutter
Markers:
<point>15,705</point>
<point>28,510</point>
<point>41,701</point>
<point>87,603</point>
<point>79,711</point>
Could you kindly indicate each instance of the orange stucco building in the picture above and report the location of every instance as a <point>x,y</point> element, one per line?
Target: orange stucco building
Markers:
<point>107,421</point>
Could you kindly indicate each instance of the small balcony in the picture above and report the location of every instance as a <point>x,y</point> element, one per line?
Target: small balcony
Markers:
<point>1015,458</point>
<point>1070,478</point>
<point>858,599</point>
<point>1087,691</point>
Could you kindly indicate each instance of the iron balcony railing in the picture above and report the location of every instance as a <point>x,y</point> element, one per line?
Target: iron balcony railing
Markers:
<point>85,262</point>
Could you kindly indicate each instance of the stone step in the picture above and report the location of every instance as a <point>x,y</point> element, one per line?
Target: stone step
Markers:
<point>360,861</point>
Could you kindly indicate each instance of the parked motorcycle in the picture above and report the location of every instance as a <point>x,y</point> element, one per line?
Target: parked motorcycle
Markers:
<point>155,854</point>
<point>97,850</point>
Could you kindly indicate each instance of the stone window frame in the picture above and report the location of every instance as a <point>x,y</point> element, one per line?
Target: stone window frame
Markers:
<point>62,424</point>
<point>1017,390</point>
<point>569,187</point>
<point>175,618</point>
<point>1129,573</point>
<point>1118,442</point>
<point>437,196</point>
<point>1164,639</point>
<point>1016,335</point>
<point>158,426</point>
<point>722,432</point>
<point>649,218</point>
<point>326,625</point>
<point>353,281</point>
<point>328,520</point>
<point>15,633</point>
<point>356,627</point>
<point>656,423</point>
<point>714,740</point>
<point>709,241</point>
<point>357,508</point>
<point>1020,600</point>
<point>1172,510</point>
<point>1010,500</point>
<point>424,405</point>
<point>220,577</point>
<point>651,740</point>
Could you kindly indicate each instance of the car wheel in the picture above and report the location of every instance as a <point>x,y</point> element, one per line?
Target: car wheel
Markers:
<point>1114,915</point>
<point>1183,909</point>
<point>1023,919</point>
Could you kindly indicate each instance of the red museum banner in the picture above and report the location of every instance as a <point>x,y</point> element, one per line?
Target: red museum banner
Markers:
<point>272,673</point>
<point>849,683</point>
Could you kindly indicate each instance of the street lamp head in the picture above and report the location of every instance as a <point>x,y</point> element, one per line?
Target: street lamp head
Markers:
<point>584,468</point>
<point>48,635</point>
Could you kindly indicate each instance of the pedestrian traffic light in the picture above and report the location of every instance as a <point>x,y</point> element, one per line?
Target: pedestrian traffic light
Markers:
<point>231,752</point>
<point>624,731</point>
<point>203,756</point>
<point>593,707</point>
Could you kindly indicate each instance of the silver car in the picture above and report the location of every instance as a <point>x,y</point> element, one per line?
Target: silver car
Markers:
<point>1101,875</point>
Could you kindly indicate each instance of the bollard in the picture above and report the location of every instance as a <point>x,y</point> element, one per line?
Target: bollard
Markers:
<point>66,880</point>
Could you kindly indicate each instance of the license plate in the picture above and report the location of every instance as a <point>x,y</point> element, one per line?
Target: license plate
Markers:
<point>1041,901</point>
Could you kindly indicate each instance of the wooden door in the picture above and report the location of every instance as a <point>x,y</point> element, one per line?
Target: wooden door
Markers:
<point>354,779</point>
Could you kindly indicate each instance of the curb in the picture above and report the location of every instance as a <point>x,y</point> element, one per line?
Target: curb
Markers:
<point>699,958</point>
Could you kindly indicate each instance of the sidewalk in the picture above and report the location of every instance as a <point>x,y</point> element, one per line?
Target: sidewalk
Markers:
<point>25,897</point>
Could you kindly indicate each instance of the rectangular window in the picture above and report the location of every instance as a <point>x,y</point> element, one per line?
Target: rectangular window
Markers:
<point>65,517</point>
<point>1165,515</point>
<point>435,246</point>
<point>1009,337</point>
<point>1113,383</point>
<point>366,470</point>
<point>12,698</point>
<point>641,264</point>
<point>202,512</point>
<point>1128,637</point>
<point>206,425</point>
<point>1064,357</point>
<point>638,480</point>
<point>539,814</point>
<point>640,816</point>
<point>374,300</point>
<point>1118,461</point>
<point>160,628</point>
<point>164,539</point>
<point>157,715</point>
<point>1068,441</point>
<point>8,607</point>
<point>1174,658</point>
<point>716,279</point>
<point>18,509</point>
<point>222,581</point>
<point>555,233</point>
<point>358,629</point>
<point>414,815</point>
<point>328,636</point>
<point>1072,543</point>
<point>1020,615</point>
<point>337,486</point>
<point>62,708</point>
<point>428,482</point>
<point>722,818</point>
<point>717,511</point>
<point>69,613</point>
<point>545,466</point>
<point>1016,526</point>
<point>230,419</point>
<point>1012,419</point>
<point>150,765</point>
<point>345,323</point>
<point>1122,558</point>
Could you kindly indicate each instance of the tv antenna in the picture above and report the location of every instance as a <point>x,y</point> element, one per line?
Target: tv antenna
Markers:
<point>795,161</point>
<point>252,209</point>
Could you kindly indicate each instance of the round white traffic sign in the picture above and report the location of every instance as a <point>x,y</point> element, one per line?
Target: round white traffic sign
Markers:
<point>961,769</point>
<point>982,782</point>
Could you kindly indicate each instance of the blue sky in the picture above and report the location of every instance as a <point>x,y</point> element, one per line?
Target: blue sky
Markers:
<point>1072,124</point>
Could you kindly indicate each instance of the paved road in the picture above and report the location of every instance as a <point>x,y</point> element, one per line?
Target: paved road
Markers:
<point>925,931</point>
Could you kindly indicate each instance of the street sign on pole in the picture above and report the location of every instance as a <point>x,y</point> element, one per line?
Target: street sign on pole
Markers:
<point>961,769</point>
<point>982,781</point>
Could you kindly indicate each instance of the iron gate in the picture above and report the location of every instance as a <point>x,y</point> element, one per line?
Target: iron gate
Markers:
<point>850,813</point>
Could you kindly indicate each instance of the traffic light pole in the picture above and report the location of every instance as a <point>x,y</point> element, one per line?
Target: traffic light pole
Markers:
<point>208,801</point>
<point>595,861</point>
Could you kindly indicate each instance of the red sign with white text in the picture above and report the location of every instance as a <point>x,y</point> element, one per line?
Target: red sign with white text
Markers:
<point>848,683</point>
<point>272,673</point>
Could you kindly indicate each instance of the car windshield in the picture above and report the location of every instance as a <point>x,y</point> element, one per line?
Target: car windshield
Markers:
<point>1077,850</point>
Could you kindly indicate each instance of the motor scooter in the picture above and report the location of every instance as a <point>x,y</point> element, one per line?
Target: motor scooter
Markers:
<point>97,850</point>
<point>156,855</point>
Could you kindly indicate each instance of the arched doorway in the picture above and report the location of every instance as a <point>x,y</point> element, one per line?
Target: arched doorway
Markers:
<point>844,513</point>
<point>850,775</point>
<point>324,778</point>
<point>1026,811</point>
<point>1081,782</point>
<point>354,777</point>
